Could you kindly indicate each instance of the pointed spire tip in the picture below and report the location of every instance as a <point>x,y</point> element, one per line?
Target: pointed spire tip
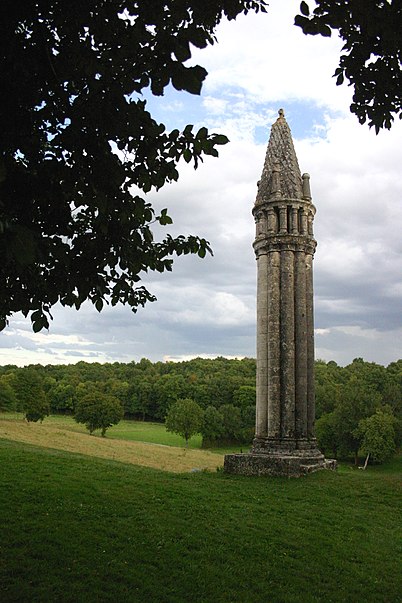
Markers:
<point>281,173</point>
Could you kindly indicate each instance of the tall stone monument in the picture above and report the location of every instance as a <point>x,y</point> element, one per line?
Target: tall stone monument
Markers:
<point>284,442</point>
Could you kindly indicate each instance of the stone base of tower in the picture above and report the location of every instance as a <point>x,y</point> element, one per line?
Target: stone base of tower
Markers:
<point>278,458</point>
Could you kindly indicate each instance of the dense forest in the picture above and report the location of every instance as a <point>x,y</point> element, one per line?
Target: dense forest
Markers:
<point>351,401</point>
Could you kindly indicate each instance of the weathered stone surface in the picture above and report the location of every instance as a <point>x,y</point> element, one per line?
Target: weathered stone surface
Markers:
<point>284,441</point>
<point>281,169</point>
<point>265,465</point>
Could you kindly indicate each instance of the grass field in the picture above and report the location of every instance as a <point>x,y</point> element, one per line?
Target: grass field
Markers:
<point>135,431</point>
<point>77,529</point>
<point>65,434</point>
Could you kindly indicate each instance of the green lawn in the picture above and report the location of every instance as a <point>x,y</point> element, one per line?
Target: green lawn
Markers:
<point>78,529</point>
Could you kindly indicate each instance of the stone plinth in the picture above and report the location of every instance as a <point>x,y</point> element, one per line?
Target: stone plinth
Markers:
<point>292,465</point>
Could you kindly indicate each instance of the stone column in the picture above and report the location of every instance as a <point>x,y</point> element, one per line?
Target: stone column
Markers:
<point>274,357</point>
<point>310,224</point>
<point>262,347</point>
<point>283,219</point>
<point>304,225</point>
<point>310,346</point>
<point>287,344</point>
<point>301,345</point>
<point>294,226</point>
<point>271,221</point>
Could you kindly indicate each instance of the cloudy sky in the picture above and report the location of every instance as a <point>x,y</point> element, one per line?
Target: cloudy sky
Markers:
<point>207,307</point>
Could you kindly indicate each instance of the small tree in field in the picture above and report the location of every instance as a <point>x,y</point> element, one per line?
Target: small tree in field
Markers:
<point>98,411</point>
<point>38,410</point>
<point>185,417</point>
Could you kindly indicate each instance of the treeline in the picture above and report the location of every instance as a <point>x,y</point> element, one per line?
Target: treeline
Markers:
<point>351,401</point>
<point>146,390</point>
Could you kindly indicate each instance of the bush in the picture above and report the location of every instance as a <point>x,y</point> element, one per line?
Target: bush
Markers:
<point>39,413</point>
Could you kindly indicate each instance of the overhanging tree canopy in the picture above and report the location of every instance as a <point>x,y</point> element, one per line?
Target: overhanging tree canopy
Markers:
<point>70,227</point>
<point>371,57</point>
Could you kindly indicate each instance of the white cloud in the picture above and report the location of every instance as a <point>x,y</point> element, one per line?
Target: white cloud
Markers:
<point>213,308</point>
<point>271,59</point>
<point>49,338</point>
<point>215,106</point>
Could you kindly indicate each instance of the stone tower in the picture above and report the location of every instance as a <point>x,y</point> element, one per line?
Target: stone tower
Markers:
<point>284,442</point>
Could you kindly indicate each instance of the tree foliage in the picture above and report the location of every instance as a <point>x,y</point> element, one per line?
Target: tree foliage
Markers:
<point>185,418</point>
<point>232,422</point>
<point>31,396</point>
<point>8,399</point>
<point>357,401</point>
<point>244,397</point>
<point>378,435</point>
<point>98,411</point>
<point>79,146</point>
<point>371,56</point>
<point>212,427</point>
<point>327,433</point>
<point>62,397</point>
<point>362,393</point>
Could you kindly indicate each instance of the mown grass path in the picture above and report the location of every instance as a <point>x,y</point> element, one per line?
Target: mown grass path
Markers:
<point>81,529</point>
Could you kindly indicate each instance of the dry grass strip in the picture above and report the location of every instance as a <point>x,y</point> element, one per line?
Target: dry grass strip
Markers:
<point>166,458</point>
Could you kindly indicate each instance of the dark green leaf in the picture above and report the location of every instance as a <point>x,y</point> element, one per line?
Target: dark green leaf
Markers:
<point>202,133</point>
<point>187,155</point>
<point>164,218</point>
<point>304,9</point>
<point>37,326</point>
<point>220,139</point>
<point>324,30</point>
<point>301,22</point>
<point>339,79</point>
<point>182,52</point>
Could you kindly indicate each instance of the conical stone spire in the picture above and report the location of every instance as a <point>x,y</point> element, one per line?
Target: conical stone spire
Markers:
<point>281,156</point>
